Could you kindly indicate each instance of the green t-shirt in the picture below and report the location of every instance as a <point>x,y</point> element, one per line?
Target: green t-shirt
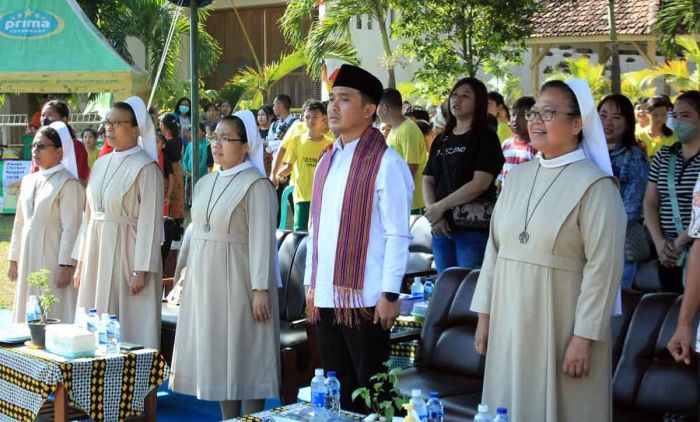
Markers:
<point>407,140</point>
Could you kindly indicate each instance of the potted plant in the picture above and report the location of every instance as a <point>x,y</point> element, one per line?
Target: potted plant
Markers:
<point>382,397</point>
<point>37,328</point>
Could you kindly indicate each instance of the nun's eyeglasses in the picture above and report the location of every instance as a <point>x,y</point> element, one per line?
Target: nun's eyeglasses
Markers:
<point>41,147</point>
<point>221,140</point>
<point>545,115</point>
<point>114,123</point>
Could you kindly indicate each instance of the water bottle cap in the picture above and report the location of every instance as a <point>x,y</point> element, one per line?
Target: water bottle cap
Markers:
<point>501,411</point>
<point>434,395</point>
<point>483,408</point>
<point>93,311</point>
<point>416,393</point>
<point>113,317</point>
<point>331,374</point>
<point>318,372</point>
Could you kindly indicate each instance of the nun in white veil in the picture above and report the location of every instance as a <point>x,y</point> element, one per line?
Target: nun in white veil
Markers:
<point>551,273</point>
<point>120,267</point>
<point>47,221</point>
<point>227,340</point>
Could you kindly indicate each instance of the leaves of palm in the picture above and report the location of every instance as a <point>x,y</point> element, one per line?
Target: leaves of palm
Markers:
<point>252,85</point>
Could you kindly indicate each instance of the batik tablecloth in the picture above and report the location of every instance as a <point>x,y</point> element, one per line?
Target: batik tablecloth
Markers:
<point>294,412</point>
<point>107,388</point>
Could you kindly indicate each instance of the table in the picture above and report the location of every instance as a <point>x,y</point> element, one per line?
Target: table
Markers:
<point>106,388</point>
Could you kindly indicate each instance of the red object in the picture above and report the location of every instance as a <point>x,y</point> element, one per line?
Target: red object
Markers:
<point>106,149</point>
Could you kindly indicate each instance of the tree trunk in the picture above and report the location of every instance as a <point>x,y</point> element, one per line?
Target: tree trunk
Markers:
<point>387,53</point>
<point>615,78</point>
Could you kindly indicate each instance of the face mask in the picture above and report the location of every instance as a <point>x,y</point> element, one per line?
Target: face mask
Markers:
<point>685,132</point>
<point>183,109</point>
<point>46,121</point>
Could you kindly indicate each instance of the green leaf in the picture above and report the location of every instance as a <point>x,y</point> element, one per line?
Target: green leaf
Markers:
<point>361,392</point>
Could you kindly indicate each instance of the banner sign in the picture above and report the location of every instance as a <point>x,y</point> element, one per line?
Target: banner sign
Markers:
<point>12,174</point>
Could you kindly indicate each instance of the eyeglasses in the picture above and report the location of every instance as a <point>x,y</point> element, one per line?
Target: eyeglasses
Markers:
<point>114,123</point>
<point>545,115</point>
<point>41,147</point>
<point>214,139</point>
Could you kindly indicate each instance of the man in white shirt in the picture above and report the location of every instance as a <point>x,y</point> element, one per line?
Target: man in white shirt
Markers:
<point>281,106</point>
<point>358,237</point>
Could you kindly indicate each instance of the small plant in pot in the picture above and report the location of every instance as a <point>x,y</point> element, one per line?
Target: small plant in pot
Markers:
<point>382,396</point>
<point>37,328</point>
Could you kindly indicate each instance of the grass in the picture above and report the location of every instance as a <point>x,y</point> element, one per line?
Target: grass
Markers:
<point>7,287</point>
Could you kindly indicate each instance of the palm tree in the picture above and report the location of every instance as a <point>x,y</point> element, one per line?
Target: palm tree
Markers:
<point>614,52</point>
<point>252,86</point>
<point>676,72</point>
<point>330,37</point>
<point>583,68</point>
<point>150,21</point>
<point>674,17</point>
<point>638,84</point>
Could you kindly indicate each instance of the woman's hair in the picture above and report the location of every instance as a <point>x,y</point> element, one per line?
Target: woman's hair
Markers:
<point>692,98</point>
<point>627,110</point>
<point>91,130</point>
<point>127,107</point>
<point>480,122</point>
<point>170,122</point>
<point>424,127</point>
<point>53,135</point>
<point>660,101</point>
<point>177,106</point>
<point>61,108</point>
<point>574,108</point>
<point>237,125</point>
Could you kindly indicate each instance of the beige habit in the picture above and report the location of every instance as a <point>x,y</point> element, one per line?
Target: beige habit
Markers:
<point>221,352</point>
<point>563,282</point>
<point>44,237</point>
<point>121,233</point>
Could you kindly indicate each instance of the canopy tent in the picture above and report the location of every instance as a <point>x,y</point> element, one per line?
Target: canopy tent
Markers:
<point>52,47</point>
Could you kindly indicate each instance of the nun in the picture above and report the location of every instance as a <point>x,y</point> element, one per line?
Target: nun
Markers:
<point>550,278</point>
<point>227,339</point>
<point>47,222</point>
<point>119,261</point>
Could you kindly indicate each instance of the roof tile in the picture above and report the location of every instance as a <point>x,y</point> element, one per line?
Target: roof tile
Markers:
<point>566,18</point>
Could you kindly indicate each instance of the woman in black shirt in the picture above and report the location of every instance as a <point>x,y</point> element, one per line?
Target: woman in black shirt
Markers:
<point>458,180</point>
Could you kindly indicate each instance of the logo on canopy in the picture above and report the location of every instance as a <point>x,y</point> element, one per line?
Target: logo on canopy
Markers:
<point>30,24</point>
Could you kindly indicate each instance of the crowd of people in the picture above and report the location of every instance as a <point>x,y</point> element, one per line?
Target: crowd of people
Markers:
<point>556,200</point>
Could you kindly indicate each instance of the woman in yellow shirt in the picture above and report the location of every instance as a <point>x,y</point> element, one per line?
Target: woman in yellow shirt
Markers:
<point>90,140</point>
<point>657,134</point>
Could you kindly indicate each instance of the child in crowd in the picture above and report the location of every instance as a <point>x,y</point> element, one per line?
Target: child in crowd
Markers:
<point>517,149</point>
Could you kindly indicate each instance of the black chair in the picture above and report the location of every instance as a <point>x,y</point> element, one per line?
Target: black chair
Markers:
<point>648,383</point>
<point>447,362</point>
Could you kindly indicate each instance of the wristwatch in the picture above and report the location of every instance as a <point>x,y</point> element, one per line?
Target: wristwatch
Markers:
<point>65,266</point>
<point>390,296</point>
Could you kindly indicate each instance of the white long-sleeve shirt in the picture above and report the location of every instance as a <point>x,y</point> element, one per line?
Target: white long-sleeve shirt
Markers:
<point>389,232</point>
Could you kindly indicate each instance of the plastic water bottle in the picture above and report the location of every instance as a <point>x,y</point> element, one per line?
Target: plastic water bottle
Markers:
<point>417,288</point>
<point>332,399</point>
<point>32,309</point>
<point>93,320</point>
<point>436,412</point>
<point>419,404</point>
<point>483,415</point>
<point>114,336</point>
<point>428,287</point>
<point>502,415</point>
<point>102,333</point>
<point>318,394</point>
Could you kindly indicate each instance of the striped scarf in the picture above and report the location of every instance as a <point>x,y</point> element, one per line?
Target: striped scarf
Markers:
<point>353,233</point>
